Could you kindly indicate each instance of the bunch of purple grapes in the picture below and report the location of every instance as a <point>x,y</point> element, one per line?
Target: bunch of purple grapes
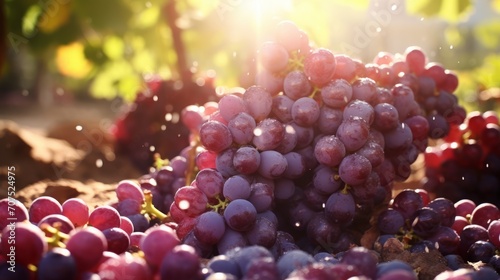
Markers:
<point>152,123</point>
<point>463,232</point>
<point>467,164</point>
<point>313,148</point>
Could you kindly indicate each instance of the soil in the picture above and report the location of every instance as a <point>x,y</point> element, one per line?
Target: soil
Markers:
<point>63,151</point>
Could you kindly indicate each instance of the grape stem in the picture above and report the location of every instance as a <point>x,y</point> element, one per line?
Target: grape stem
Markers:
<point>57,238</point>
<point>159,162</point>
<point>148,207</point>
<point>221,204</point>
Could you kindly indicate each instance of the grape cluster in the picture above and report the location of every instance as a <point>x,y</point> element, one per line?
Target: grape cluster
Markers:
<point>313,147</point>
<point>152,123</point>
<point>467,164</point>
<point>462,232</point>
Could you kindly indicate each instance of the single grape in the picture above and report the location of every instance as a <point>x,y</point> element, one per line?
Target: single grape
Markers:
<point>104,217</point>
<point>157,243</point>
<point>43,206</point>
<point>209,228</point>
<point>240,215</point>
<point>57,264</point>
<point>86,246</point>
<point>76,210</point>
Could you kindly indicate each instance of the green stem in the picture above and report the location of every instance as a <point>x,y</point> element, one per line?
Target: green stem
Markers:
<point>148,207</point>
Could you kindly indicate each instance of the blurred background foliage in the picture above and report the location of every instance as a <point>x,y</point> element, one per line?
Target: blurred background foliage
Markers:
<point>105,49</point>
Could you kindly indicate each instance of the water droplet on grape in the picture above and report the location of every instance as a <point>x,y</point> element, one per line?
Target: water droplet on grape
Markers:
<point>79,128</point>
<point>98,163</point>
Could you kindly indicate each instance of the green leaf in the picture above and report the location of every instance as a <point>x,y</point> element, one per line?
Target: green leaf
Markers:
<point>105,84</point>
<point>454,10</point>
<point>450,10</point>
<point>425,8</point>
<point>144,62</point>
<point>113,47</point>
<point>453,36</point>
<point>487,34</point>
<point>128,86</point>
<point>30,20</point>
<point>147,17</point>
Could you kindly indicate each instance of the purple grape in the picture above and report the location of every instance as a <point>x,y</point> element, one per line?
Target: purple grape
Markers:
<point>240,215</point>
<point>57,264</point>
<point>353,133</point>
<point>319,66</point>
<point>43,206</point>
<point>329,150</point>
<point>425,222</point>
<point>230,240</point>
<point>326,181</point>
<point>157,243</point>
<point>236,187</point>
<point>224,162</point>
<point>386,117</point>
<point>293,260</point>
<point>282,108</point>
<point>354,169</point>
<point>305,111</point>
<point>359,109</point>
<point>117,239</point>
<point>246,160</point>
<point>363,259</point>
<point>296,166</point>
<point>390,221</point>
<point>242,128</point>
<point>340,208</point>
<point>215,136</point>
<point>209,228</point>
<point>86,246</point>
<point>262,196</point>
<point>230,105</point>
<point>274,57</point>
<point>210,182</point>
<point>272,164</point>
<point>364,89</point>
<point>263,233</point>
<point>268,134</point>
<point>127,189</point>
<point>337,93</point>
<point>296,85</point>
<point>407,202</point>
<point>104,217</point>
<point>258,101</point>
<point>329,120</point>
